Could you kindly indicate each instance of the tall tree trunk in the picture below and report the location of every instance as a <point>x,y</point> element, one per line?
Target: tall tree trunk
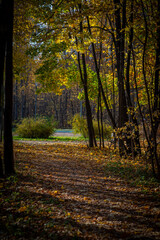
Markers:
<point>84,79</point>
<point>156,105</point>
<point>87,103</point>
<point>92,140</point>
<point>8,141</point>
<point>135,141</point>
<point>3,28</point>
<point>120,40</point>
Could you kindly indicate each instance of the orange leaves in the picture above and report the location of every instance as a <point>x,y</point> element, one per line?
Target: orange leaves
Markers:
<point>53,193</point>
<point>22,209</point>
<point>86,199</point>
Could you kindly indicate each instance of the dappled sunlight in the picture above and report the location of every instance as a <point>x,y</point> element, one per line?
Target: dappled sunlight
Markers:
<point>64,193</point>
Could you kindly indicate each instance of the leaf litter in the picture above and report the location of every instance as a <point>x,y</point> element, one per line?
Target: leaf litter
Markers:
<point>61,191</point>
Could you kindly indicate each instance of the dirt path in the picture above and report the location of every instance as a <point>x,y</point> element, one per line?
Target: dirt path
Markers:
<point>66,134</point>
<point>65,194</point>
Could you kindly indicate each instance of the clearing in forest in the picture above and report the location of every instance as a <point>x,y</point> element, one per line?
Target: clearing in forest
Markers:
<point>61,191</point>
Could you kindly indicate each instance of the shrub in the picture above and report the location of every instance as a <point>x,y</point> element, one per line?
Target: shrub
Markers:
<point>79,125</point>
<point>107,130</point>
<point>31,128</point>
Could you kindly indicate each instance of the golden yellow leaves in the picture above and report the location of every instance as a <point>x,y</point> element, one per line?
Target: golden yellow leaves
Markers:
<point>53,193</point>
<point>68,214</point>
<point>86,198</point>
<point>22,209</point>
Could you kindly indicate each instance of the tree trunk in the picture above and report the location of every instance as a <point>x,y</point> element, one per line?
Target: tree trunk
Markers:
<point>83,75</point>
<point>120,39</point>
<point>92,140</point>
<point>8,141</point>
<point>134,141</point>
<point>156,106</point>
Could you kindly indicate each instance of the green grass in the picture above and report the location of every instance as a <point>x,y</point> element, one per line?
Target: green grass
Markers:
<point>51,139</point>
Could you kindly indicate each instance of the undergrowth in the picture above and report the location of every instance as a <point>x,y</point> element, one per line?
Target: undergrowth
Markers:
<point>135,172</point>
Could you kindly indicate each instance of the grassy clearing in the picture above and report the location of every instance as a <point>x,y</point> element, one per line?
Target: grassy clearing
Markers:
<point>57,138</point>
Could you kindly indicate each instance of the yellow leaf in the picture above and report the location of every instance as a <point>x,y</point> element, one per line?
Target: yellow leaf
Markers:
<point>86,198</point>
<point>53,193</point>
<point>78,232</point>
<point>22,209</point>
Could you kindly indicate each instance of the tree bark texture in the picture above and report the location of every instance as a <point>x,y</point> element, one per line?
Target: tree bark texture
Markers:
<point>8,141</point>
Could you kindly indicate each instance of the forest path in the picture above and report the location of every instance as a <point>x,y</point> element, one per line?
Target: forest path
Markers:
<point>64,193</point>
<point>66,133</point>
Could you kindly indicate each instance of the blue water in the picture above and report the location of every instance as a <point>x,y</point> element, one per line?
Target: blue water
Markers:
<point>64,131</point>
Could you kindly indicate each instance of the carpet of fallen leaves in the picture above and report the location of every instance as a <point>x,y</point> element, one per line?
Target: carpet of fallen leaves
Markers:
<point>62,192</point>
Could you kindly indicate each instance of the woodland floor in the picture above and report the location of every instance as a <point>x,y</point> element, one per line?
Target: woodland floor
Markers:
<point>61,191</point>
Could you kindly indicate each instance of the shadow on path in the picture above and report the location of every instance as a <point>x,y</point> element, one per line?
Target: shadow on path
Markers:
<point>64,194</point>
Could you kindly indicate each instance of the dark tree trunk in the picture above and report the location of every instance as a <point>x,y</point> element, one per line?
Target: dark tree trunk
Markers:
<point>8,141</point>
<point>84,78</point>
<point>135,141</point>
<point>92,140</point>
<point>2,57</point>
<point>156,105</point>
<point>120,39</point>
<point>87,103</point>
<point>3,29</point>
